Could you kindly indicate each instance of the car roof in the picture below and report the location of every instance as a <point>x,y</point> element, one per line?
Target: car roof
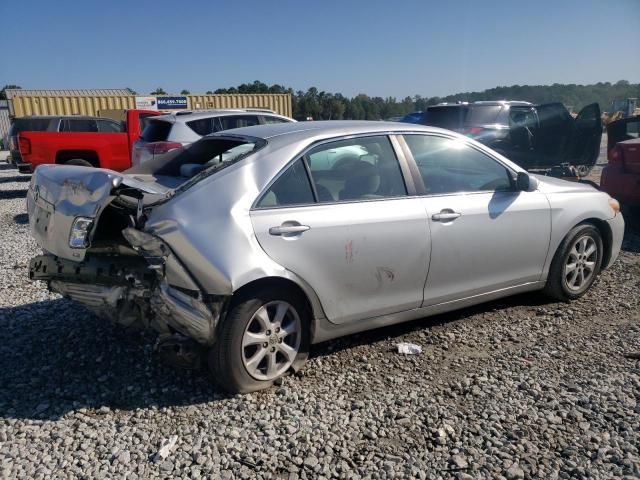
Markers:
<point>493,103</point>
<point>296,131</point>
<point>189,115</point>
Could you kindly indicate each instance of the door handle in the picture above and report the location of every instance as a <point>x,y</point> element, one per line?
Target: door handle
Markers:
<point>445,216</point>
<point>288,229</point>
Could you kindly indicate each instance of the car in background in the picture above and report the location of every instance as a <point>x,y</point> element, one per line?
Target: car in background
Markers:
<point>621,176</point>
<point>35,123</point>
<point>80,140</point>
<point>536,137</point>
<point>175,130</point>
<point>256,242</point>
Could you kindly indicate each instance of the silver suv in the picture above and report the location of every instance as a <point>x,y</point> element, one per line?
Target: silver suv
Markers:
<point>175,130</point>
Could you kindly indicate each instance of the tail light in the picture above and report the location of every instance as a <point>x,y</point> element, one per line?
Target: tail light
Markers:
<point>473,130</point>
<point>616,155</point>
<point>158,148</point>
<point>24,145</point>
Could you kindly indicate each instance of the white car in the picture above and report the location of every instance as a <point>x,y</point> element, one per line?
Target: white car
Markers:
<point>176,130</point>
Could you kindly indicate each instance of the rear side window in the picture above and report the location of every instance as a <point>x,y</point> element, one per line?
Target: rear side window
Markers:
<point>238,121</point>
<point>357,169</point>
<point>450,118</point>
<point>203,126</point>
<point>482,114</point>
<point>79,125</point>
<point>156,131</point>
<point>291,188</point>
<point>29,125</point>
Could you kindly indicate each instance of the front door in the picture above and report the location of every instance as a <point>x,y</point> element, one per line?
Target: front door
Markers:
<point>587,134</point>
<point>485,235</point>
<point>552,139</point>
<point>352,233</point>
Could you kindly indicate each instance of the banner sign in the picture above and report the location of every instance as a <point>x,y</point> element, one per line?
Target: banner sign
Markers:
<point>172,103</point>
<point>146,103</point>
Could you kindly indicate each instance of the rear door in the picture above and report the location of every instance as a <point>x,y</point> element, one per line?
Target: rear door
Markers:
<point>353,234</point>
<point>586,137</point>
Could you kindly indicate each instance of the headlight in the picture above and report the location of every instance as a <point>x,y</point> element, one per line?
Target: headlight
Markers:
<point>615,205</point>
<point>79,237</point>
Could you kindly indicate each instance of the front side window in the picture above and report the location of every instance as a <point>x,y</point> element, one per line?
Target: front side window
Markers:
<point>363,168</point>
<point>451,165</point>
<point>291,188</point>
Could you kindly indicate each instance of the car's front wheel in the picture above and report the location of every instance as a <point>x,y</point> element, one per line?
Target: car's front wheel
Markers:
<point>263,336</point>
<point>576,263</point>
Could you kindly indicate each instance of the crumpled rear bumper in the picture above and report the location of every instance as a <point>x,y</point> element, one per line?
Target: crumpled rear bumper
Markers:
<point>125,291</point>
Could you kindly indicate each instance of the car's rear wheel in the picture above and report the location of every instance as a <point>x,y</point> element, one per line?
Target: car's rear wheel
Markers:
<point>576,263</point>
<point>81,162</point>
<point>262,338</point>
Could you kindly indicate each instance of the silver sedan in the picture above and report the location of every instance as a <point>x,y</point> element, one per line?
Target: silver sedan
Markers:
<point>259,242</point>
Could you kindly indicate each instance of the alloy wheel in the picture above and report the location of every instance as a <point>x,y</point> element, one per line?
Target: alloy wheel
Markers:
<point>581,263</point>
<point>271,340</point>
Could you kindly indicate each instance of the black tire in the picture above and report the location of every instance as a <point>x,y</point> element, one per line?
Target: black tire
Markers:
<point>557,285</point>
<point>226,357</point>
<point>79,162</point>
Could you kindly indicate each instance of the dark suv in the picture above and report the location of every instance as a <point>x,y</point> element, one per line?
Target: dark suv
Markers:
<point>533,136</point>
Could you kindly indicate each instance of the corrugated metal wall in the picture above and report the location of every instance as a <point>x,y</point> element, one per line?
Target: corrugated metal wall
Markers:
<point>22,105</point>
<point>280,103</point>
<point>4,121</point>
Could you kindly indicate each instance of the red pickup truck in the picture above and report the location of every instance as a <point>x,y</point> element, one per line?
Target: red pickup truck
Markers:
<point>88,141</point>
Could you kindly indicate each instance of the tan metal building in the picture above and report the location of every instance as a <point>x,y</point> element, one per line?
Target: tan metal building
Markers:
<point>90,102</point>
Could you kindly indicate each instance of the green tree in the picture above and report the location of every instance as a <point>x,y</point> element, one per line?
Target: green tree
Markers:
<point>185,92</point>
<point>3,93</point>
<point>158,91</point>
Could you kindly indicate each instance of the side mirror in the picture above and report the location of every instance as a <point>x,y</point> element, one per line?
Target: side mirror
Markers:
<point>525,182</point>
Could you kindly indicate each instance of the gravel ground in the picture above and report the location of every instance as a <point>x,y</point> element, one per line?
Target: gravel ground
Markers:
<point>520,388</point>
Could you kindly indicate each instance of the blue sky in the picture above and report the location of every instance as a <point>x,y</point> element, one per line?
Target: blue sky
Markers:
<point>386,48</point>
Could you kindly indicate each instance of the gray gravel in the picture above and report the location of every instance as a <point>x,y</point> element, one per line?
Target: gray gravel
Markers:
<point>520,388</point>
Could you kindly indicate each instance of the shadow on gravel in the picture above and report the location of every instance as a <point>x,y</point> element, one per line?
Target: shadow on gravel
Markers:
<point>21,218</point>
<point>58,357</point>
<point>531,299</point>
<point>11,194</point>
<point>17,179</point>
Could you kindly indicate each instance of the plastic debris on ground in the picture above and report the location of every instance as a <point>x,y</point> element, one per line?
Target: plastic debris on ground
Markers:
<point>409,348</point>
<point>167,446</point>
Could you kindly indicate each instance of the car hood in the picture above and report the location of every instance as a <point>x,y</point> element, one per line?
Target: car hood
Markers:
<point>548,184</point>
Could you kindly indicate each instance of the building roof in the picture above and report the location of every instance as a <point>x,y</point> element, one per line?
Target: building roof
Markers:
<point>19,92</point>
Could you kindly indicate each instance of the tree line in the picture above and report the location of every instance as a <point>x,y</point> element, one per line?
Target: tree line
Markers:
<point>321,105</point>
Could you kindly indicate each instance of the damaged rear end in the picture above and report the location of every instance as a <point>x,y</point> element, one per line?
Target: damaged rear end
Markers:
<point>90,224</point>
